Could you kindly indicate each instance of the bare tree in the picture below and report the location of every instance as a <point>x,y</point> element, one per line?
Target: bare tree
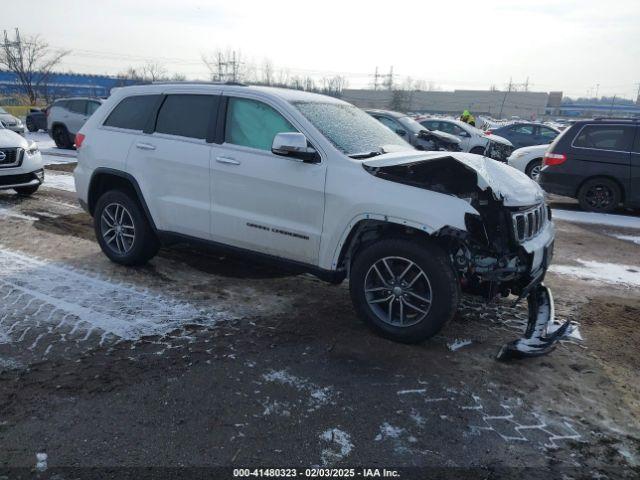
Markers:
<point>31,60</point>
<point>226,66</point>
<point>154,72</point>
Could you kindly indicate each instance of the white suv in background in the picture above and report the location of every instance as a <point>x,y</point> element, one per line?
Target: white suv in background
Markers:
<point>315,182</point>
<point>21,166</point>
<point>66,116</point>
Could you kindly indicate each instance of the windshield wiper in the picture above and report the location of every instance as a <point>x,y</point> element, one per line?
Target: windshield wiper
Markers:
<point>364,155</point>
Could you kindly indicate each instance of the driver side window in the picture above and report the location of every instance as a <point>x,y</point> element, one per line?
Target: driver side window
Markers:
<point>253,124</point>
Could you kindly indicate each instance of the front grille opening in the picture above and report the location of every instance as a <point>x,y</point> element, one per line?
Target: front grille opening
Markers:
<point>11,157</point>
<point>528,223</point>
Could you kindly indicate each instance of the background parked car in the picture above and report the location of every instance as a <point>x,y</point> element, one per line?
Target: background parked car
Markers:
<point>528,160</point>
<point>66,117</point>
<point>472,139</point>
<point>523,134</point>
<point>21,167</point>
<point>36,119</point>
<point>597,162</point>
<point>414,133</point>
<point>10,122</point>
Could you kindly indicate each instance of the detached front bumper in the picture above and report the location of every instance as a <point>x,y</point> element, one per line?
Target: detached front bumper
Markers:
<point>542,333</point>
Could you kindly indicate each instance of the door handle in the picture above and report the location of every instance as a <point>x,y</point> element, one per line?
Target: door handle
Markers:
<point>145,146</point>
<point>227,160</point>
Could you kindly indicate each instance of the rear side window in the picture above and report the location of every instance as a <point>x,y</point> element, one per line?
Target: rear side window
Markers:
<point>132,113</point>
<point>253,124</point>
<point>187,115</point>
<point>605,137</point>
<point>92,107</point>
<point>77,106</point>
<point>523,129</point>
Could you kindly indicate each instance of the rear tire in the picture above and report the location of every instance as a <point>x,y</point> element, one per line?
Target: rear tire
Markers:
<point>599,195</point>
<point>533,169</point>
<point>123,230</point>
<point>407,308</point>
<point>32,127</point>
<point>26,191</point>
<point>61,137</point>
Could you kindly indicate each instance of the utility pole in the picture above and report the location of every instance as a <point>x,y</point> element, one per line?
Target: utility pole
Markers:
<point>613,100</point>
<point>638,96</point>
<point>597,88</point>
<point>376,76</point>
<point>504,99</point>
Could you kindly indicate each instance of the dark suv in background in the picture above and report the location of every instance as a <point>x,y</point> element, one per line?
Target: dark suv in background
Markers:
<point>597,162</point>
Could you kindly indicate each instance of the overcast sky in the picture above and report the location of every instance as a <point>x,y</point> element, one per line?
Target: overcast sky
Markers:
<point>569,45</point>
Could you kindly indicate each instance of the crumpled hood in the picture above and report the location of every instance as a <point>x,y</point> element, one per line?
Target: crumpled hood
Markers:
<point>509,184</point>
<point>10,139</point>
<point>497,139</point>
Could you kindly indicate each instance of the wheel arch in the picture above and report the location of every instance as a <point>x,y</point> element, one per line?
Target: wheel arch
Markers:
<point>608,177</point>
<point>530,163</point>
<point>105,179</point>
<point>369,228</point>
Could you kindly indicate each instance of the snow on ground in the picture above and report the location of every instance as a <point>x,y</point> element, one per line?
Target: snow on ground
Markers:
<point>601,272</point>
<point>629,238</point>
<point>62,297</point>
<point>60,181</point>
<point>341,445</point>
<point>626,221</point>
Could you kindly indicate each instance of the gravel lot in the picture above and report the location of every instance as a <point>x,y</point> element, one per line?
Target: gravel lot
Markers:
<point>203,360</point>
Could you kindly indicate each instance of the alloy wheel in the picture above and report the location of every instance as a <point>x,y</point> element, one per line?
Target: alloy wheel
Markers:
<point>117,228</point>
<point>398,291</point>
<point>599,197</point>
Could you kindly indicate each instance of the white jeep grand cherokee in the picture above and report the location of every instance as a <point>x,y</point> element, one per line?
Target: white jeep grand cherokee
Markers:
<point>315,182</point>
<point>21,167</point>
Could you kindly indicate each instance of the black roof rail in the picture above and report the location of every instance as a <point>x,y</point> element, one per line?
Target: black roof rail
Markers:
<point>629,119</point>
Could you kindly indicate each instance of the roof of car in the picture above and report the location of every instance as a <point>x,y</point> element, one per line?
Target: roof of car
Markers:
<point>287,94</point>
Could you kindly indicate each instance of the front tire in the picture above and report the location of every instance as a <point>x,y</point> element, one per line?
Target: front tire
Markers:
<point>123,230</point>
<point>404,290</point>
<point>599,195</point>
<point>26,191</point>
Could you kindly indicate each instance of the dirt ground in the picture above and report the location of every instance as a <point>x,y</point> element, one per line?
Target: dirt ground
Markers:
<point>202,360</point>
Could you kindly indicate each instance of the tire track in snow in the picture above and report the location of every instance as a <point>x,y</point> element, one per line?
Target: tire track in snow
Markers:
<point>39,299</point>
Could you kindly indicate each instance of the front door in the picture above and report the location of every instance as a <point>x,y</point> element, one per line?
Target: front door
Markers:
<point>262,201</point>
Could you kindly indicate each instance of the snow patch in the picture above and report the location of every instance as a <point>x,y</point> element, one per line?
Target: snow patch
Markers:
<point>41,462</point>
<point>627,275</point>
<point>458,344</point>
<point>318,396</point>
<point>597,218</point>
<point>88,303</point>
<point>629,238</point>
<point>341,447</point>
<point>8,213</point>
<point>388,431</point>
<point>415,390</point>
<point>59,181</point>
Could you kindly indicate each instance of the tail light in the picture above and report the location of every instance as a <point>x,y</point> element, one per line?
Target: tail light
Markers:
<point>79,139</point>
<point>554,158</point>
<point>488,132</point>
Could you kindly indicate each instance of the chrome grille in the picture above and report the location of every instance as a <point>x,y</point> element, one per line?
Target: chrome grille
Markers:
<point>10,157</point>
<point>529,223</point>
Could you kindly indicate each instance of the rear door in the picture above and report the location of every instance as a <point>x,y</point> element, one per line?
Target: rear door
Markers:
<point>75,115</point>
<point>262,201</point>
<point>171,163</point>
<point>603,150</point>
<point>634,187</point>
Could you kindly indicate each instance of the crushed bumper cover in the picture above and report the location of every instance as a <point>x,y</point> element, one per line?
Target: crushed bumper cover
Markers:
<point>540,337</point>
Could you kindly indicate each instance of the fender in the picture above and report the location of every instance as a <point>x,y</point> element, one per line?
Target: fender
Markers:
<point>125,176</point>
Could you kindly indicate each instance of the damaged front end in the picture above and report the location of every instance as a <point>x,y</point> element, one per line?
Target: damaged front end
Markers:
<point>505,249</point>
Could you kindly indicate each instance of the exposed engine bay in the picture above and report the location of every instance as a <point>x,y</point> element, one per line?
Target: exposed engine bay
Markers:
<point>489,255</point>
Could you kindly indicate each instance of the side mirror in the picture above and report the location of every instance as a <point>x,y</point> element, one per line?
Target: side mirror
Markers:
<point>294,145</point>
<point>401,132</point>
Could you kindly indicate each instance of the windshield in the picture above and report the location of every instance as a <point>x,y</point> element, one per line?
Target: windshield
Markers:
<point>350,129</point>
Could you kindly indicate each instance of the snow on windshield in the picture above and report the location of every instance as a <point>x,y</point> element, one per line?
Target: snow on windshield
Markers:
<point>350,129</point>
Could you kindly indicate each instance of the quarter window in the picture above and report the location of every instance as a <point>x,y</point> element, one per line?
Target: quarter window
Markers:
<point>132,113</point>
<point>92,107</point>
<point>77,106</point>
<point>253,124</point>
<point>605,137</point>
<point>548,133</point>
<point>187,115</point>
